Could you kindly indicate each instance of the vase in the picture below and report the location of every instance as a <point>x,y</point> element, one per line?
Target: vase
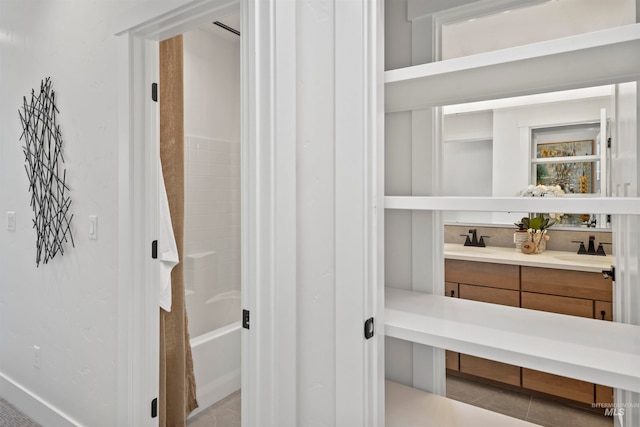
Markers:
<point>540,239</point>
<point>519,237</point>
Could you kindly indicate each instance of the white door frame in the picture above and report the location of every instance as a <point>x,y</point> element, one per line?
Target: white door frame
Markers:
<point>138,311</point>
<point>269,117</point>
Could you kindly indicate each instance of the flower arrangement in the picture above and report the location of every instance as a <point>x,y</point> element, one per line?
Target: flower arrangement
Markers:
<point>537,225</point>
<point>536,228</point>
<point>542,191</point>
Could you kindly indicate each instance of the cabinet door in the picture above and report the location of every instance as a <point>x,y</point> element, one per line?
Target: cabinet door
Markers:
<point>603,310</point>
<point>451,289</point>
<point>604,394</point>
<point>452,357</point>
<point>557,304</point>
<point>568,388</point>
<point>492,295</point>
<point>482,273</point>
<point>490,369</point>
<point>578,284</point>
<point>453,360</point>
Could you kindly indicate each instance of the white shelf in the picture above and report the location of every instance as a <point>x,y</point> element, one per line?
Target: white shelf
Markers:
<point>410,407</point>
<point>468,140</point>
<point>592,350</point>
<point>591,59</point>
<point>595,205</point>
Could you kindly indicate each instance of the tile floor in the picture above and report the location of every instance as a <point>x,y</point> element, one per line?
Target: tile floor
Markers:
<point>226,413</point>
<point>525,407</point>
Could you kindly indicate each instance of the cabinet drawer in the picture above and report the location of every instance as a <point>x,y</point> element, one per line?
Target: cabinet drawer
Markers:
<point>482,273</point>
<point>606,307</point>
<point>451,289</point>
<point>578,284</point>
<point>556,304</point>
<point>604,394</point>
<point>453,360</point>
<point>490,369</point>
<point>492,295</point>
<point>568,388</point>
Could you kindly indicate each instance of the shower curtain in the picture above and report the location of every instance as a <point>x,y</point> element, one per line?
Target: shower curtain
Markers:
<point>177,382</point>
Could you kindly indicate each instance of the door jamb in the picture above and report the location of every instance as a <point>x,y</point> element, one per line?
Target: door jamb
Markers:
<point>138,147</point>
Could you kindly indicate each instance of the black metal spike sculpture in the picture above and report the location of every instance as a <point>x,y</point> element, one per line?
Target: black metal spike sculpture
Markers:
<point>44,164</point>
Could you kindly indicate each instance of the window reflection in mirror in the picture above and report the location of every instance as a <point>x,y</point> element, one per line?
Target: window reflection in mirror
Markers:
<point>499,148</point>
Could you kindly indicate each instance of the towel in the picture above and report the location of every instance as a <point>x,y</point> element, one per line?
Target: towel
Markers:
<point>167,248</point>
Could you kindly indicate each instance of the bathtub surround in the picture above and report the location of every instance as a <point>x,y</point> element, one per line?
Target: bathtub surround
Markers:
<point>177,383</point>
<point>212,241</point>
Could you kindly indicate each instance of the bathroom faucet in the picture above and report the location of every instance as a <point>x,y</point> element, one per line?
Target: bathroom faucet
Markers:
<point>591,250</point>
<point>472,239</point>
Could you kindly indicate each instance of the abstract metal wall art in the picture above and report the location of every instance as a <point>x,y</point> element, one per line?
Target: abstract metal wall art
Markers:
<point>44,164</point>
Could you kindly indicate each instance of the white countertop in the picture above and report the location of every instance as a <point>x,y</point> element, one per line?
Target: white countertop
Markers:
<point>548,259</point>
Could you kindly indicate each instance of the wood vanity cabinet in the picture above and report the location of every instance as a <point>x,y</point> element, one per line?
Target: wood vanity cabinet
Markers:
<point>575,293</point>
<point>492,283</point>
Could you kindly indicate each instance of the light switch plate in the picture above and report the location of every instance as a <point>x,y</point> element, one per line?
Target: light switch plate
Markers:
<point>93,227</point>
<point>11,221</point>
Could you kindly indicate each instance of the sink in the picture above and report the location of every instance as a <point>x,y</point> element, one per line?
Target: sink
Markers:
<point>584,259</point>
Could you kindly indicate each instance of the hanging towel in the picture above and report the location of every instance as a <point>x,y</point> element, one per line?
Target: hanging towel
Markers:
<point>167,248</point>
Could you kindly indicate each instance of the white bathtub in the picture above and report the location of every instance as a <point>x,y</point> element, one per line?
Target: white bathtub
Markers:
<point>216,362</point>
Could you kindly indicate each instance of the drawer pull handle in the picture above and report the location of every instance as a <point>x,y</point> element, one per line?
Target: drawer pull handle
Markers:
<point>602,313</point>
<point>453,293</point>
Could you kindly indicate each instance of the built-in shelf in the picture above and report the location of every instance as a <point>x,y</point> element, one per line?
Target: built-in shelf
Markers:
<point>591,59</point>
<point>606,353</point>
<point>595,205</point>
<point>410,407</point>
<point>468,140</point>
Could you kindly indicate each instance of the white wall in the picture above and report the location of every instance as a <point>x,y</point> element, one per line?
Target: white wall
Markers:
<point>212,178</point>
<point>545,21</point>
<point>467,158</point>
<point>69,306</point>
<point>507,158</point>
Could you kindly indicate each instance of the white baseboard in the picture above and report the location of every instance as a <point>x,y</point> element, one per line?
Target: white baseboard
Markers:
<point>33,406</point>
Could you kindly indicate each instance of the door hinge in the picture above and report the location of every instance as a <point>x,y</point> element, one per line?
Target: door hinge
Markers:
<point>610,274</point>
<point>245,319</point>
<point>369,329</point>
<point>609,143</point>
<point>154,408</point>
<point>154,249</point>
<point>154,92</point>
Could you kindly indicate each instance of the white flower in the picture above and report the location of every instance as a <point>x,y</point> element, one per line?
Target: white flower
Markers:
<point>541,191</point>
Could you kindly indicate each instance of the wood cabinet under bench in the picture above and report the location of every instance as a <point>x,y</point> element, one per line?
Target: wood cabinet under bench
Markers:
<point>574,293</point>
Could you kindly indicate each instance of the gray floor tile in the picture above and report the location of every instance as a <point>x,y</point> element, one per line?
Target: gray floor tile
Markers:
<point>468,391</point>
<point>507,403</point>
<point>226,413</point>
<point>519,405</point>
<point>565,416</point>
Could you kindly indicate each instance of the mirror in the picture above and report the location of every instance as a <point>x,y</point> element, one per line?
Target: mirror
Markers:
<point>501,147</point>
